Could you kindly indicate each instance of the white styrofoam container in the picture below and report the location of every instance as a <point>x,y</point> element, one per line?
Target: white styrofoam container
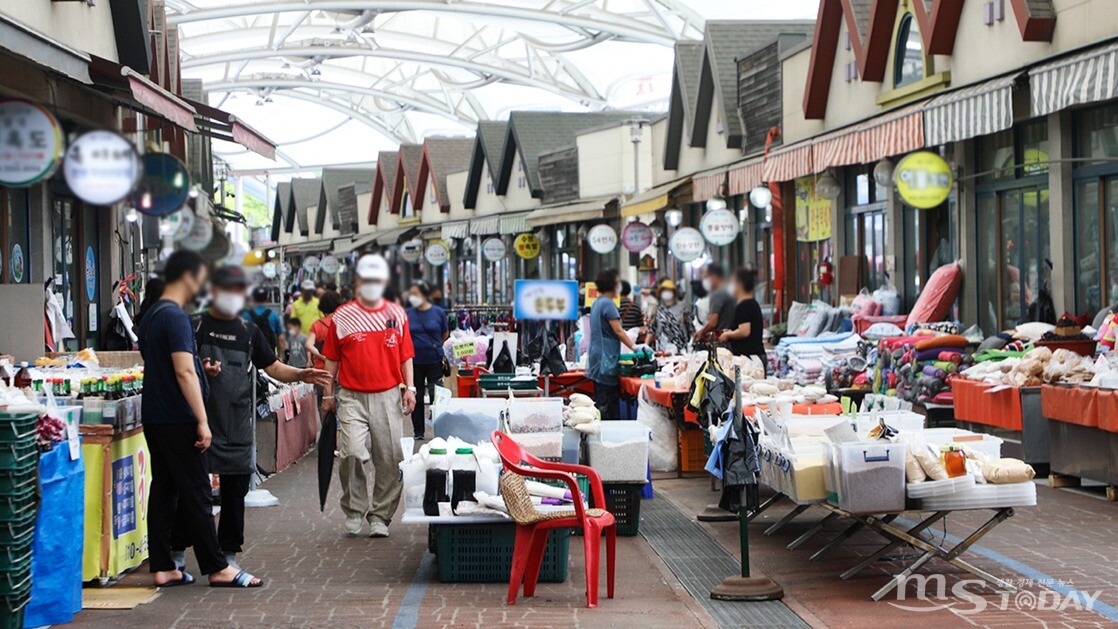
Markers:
<point>940,487</point>
<point>988,496</point>
<point>989,445</point>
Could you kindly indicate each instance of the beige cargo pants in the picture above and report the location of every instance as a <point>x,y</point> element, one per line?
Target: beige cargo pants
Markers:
<point>371,425</point>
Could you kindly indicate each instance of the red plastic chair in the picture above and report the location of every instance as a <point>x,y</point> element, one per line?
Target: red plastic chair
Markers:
<point>532,529</point>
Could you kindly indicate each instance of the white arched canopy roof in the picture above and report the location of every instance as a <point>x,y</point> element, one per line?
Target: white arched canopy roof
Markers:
<point>364,75</point>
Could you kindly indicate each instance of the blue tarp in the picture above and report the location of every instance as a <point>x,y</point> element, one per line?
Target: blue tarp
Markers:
<point>56,552</point>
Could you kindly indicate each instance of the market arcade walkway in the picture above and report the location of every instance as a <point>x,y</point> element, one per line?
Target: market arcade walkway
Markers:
<point>317,577</point>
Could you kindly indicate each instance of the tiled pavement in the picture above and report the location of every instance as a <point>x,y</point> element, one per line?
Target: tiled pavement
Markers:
<point>318,577</point>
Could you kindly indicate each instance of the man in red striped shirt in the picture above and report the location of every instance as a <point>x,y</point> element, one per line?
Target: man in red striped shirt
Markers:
<point>370,352</point>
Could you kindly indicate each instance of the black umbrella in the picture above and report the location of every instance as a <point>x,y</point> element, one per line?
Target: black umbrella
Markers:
<point>327,443</point>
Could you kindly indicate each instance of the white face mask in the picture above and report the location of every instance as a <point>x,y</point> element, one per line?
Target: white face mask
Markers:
<point>415,301</point>
<point>708,285</point>
<point>667,296</point>
<point>229,303</point>
<point>372,292</point>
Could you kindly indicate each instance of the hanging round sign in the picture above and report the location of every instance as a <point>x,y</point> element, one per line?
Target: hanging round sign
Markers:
<point>636,237</point>
<point>269,270</point>
<point>719,227</point>
<point>494,249</point>
<point>200,234</point>
<point>311,264</point>
<point>101,167</point>
<point>527,246</point>
<point>923,179</point>
<point>411,251</point>
<point>30,142</point>
<point>602,238</point>
<point>687,244</point>
<point>17,263</point>
<point>330,265</point>
<point>164,185</point>
<point>437,253</point>
<point>180,223</point>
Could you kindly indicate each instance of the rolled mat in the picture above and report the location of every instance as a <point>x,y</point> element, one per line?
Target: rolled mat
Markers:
<point>946,366</point>
<point>932,371</point>
<point>953,355</point>
<point>942,342</point>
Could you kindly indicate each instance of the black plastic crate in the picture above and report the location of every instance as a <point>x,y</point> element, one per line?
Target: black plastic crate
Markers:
<point>623,500</point>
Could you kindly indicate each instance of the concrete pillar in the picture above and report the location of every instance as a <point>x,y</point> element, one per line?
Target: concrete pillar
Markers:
<point>838,235</point>
<point>1061,225</point>
<point>894,240</point>
<point>966,221</point>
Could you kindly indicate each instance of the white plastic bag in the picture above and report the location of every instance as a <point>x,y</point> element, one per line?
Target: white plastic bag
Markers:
<point>663,454</point>
<point>889,299</point>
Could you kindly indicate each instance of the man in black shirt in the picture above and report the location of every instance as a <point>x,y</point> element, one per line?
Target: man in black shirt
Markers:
<point>231,347</point>
<point>745,337</point>
<point>631,315</point>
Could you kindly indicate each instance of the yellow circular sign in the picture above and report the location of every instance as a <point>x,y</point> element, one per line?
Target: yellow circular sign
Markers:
<point>923,179</point>
<point>527,246</point>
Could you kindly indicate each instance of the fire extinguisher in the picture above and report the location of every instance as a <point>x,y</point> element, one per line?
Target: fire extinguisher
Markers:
<point>826,273</point>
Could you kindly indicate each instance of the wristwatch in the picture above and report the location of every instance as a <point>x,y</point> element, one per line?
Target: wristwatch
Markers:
<point>412,389</point>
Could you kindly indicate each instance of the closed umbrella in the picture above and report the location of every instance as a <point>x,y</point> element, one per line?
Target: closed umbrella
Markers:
<point>327,443</point>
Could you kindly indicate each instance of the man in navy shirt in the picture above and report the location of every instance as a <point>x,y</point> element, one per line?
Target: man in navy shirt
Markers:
<point>606,338</point>
<point>177,430</point>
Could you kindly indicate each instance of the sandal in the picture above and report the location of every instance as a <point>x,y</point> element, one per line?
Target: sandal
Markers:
<point>186,579</point>
<point>242,580</point>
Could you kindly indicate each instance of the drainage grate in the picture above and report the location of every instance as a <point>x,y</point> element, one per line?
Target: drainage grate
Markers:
<point>700,564</point>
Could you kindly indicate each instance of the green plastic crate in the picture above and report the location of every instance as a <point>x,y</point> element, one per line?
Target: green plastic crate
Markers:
<point>10,552</point>
<point>623,500</point>
<point>19,456</point>
<point>16,528</point>
<point>16,482</point>
<point>12,608</point>
<point>17,428</point>
<point>482,553</point>
<point>16,506</point>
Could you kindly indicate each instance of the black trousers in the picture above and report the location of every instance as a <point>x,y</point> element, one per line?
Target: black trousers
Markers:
<point>231,523</point>
<point>180,498</point>
<point>426,377</point>
<point>607,397</point>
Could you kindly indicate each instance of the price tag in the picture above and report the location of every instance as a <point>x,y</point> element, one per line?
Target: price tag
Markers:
<point>462,350</point>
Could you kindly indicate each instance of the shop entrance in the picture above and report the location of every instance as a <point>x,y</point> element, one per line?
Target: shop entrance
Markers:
<point>76,267</point>
<point>1013,247</point>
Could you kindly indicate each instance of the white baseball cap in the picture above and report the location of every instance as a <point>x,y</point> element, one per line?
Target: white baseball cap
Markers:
<point>307,285</point>
<point>372,267</point>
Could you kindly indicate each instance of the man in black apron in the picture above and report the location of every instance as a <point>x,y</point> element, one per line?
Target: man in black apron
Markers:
<point>231,348</point>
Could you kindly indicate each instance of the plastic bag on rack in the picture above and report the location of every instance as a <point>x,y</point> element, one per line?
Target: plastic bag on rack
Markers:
<point>663,455</point>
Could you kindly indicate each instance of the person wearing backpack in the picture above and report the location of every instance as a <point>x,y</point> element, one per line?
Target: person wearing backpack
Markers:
<point>267,321</point>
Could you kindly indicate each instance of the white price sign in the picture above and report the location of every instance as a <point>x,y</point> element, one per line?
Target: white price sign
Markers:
<point>101,167</point>
<point>719,227</point>
<point>311,264</point>
<point>330,265</point>
<point>687,244</point>
<point>494,249</point>
<point>30,142</point>
<point>437,253</point>
<point>602,239</point>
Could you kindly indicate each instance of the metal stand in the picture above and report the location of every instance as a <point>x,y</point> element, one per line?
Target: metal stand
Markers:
<point>745,587</point>
<point>786,519</point>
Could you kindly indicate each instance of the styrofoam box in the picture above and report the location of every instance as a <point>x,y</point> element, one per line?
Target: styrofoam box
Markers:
<point>904,421</point>
<point>986,496</point>
<point>853,464</point>
<point>940,487</point>
<point>990,445</point>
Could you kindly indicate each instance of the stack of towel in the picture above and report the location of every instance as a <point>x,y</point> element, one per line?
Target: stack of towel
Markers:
<point>927,365</point>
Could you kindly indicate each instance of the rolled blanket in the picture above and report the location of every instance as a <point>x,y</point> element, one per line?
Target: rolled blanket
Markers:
<point>937,353</point>
<point>930,384</point>
<point>953,355</point>
<point>942,342</point>
<point>946,366</point>
<point>891,380</point>
<point>932,371</point>
<point>944,397</point>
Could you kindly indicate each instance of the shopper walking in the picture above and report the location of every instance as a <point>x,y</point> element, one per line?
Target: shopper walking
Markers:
<point>722,303</point>
<point>327,305</point>
<point>176,427</point>
<point>370,352</point>
<point>231,347</point>
<point>305,308</point>
<point>606,338</point>
<point>429,329</point>
<point>267,321</point>
<point>745,337</point>
<point>296,344</point>
<point>671,322</point>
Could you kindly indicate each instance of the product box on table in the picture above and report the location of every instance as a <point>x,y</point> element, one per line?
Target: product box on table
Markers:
<point>620,452</point>
<point>865,477</point>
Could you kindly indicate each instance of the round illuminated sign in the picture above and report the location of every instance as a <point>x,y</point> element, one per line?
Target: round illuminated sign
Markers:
<point>636,237</point>
<point>923,179</point>
<point>269,270</point>
<point>527,246</point>
<point>494,249</point>
<point>602,239</point>
<point>311,264</point>
<point>437,253</point>
<point>200,234</point>
<point>411,251</point>
<point>101,167</point>
<point>719,227</point>
<point>330,265</point>
<point>163,187</point>
<point>687,244</point>
<point>30,142</point>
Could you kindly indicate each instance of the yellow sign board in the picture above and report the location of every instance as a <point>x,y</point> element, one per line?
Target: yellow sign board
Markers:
<point>923,179</point>
<point>813,213</point>
<point>462,350</point>
<point>527,246</point>
<point>117,515</point>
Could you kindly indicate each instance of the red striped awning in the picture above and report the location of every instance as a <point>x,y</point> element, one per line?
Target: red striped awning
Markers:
<point>842,148</point>
<point>895,133</point>
<point>745,177</point>
<point>704,187</point>
<point>788,164</point>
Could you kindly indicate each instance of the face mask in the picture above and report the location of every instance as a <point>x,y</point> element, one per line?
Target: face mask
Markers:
<point>667,297</point>
<point>293,332</point>
<point>708,285</point>
<point>415,301</point>
<point>372,292</point>
<point>229,303</point>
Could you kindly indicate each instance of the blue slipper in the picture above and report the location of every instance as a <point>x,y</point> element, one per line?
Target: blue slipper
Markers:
<point>185,580</point>
<point>242,580</point>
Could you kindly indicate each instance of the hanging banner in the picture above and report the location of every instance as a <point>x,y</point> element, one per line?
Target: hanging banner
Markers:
<point>687,244</point>
<point>923,179</point>
<point>30,142</point>
<point>411,251</point>
<point>101,167</point>
<point>437,253</point>
<point>330,265</point>
<point>311,264</point>
<point>527,246</point>
<point>602,239</point>
<point>494,249</point>
<point>719,227</point>
<point>545,300</point>
<point>636,237</point>
<point>164,186</point>
<point>813,212</point>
